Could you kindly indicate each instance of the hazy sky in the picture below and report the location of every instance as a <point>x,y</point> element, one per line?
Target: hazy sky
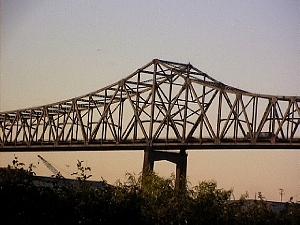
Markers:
<point>56,50</point>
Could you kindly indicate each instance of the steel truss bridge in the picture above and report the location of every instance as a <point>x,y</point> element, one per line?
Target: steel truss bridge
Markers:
<point>163,108</point>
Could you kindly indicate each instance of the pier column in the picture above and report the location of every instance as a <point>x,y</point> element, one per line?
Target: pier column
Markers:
<point>181,168</point>
<point>180,159</point>
<point>148,164</point>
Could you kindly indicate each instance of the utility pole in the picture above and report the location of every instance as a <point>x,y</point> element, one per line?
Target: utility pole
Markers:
<point>281,193</point>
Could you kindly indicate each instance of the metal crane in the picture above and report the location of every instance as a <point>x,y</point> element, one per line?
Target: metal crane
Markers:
<point>51,168</point>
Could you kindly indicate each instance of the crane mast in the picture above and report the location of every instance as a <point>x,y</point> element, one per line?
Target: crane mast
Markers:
<point>51,168</point>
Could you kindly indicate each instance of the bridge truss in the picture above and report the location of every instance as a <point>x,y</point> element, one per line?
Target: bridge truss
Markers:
<point>165,105</point>
<point>161,106</point>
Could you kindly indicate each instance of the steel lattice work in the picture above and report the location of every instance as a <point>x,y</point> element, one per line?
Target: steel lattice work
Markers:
<point>163,105</point>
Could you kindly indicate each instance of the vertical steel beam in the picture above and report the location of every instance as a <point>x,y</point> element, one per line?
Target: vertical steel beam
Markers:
<point>254,119</point>
<point>169,105</point>
<point>137,105</point>
<point>187,83</point>
<point>236,117</point>
<point>154,87</point>
<point>120,115</point>
<point>218,139</point>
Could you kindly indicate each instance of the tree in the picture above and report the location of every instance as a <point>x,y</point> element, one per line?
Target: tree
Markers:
<point>210,204</point>
<point>130,202</point>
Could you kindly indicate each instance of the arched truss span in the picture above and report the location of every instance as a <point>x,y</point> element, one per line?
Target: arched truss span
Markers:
<point>164,105</point>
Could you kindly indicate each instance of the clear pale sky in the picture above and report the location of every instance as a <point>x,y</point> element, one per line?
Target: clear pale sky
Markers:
<point>56,50</point>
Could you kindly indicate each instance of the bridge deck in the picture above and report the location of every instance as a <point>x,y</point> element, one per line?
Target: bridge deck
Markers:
<point>159,145</point>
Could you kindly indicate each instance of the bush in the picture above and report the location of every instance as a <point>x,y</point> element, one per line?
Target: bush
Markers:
<point>148,200</point>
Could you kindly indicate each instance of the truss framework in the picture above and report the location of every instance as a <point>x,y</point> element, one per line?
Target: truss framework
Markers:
<point>164,105</point>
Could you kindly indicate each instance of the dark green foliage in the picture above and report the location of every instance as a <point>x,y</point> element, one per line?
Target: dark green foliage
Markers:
<point>154,202</point>
<point>209,203</point>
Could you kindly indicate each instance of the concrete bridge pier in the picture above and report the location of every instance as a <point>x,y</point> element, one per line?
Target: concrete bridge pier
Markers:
<point>179,158</point>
